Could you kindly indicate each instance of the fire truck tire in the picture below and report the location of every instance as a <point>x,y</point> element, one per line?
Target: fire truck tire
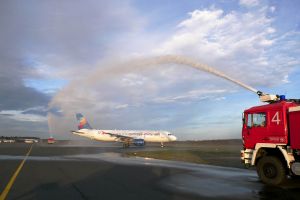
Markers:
<point>271,170</point>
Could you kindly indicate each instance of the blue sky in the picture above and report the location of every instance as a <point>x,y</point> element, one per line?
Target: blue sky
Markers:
<point>89,57</point>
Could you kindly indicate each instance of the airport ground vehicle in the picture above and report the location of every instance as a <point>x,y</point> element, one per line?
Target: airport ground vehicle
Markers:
<point>271,138</point>
<point>50,140</point>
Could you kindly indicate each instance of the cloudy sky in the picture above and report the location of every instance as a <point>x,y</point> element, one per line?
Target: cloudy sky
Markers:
<point>62,57</point>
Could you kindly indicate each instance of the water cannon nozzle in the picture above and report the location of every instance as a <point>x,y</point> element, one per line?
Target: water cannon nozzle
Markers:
<point>260,93</point>
<point>269,98</point>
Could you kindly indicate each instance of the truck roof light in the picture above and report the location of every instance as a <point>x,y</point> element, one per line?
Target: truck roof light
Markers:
<point>282,97</point>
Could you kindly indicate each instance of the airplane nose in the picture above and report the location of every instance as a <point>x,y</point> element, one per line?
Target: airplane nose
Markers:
<point>173,138</point>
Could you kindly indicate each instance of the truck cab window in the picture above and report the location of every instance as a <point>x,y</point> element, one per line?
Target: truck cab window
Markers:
<point>259,120</point>
<point>256,120</point>
<point>249,120</point>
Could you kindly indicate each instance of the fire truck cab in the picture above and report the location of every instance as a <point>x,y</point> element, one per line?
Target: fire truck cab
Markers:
<point>271,140</point>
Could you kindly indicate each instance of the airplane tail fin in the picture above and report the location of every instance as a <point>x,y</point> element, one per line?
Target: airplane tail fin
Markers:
<point>83,123</point>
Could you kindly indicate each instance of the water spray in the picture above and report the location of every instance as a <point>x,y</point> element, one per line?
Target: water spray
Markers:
<point>267,98</point>
<point>92,78</point>
<point>68,99</point>
<point>192,63</point>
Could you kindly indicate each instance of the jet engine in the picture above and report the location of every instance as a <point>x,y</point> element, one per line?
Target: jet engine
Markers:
<point>139,142</point>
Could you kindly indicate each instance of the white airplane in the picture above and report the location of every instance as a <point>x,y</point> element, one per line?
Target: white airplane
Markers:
<point>127,137</point>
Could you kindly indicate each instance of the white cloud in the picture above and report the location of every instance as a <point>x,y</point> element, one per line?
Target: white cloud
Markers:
<point>133,80</point>
<point>272,9</point>
<point>249,3</point>
<point>121,106</point>
<point>239,44</point>
<point>286,79</point>
<point>220,98</point>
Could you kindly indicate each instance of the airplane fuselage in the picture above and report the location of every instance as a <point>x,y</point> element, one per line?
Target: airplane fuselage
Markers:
<point>109,135</point>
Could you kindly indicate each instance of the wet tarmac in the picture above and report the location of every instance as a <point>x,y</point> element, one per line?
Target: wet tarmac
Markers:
<point>80,172</point>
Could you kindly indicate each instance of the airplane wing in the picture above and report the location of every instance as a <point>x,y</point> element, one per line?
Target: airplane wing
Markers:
<point>122,138</point>
<point>126,140</point>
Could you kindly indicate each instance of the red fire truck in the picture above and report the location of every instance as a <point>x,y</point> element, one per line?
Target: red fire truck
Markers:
<point>271,138</point>
<point>51,140</point>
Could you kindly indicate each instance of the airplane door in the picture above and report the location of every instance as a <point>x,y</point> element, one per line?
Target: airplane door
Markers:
<point>161,135</point>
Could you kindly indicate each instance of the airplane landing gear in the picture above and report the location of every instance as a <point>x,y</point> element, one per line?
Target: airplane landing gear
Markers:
<point>126,145</point>
<point>161,144</point>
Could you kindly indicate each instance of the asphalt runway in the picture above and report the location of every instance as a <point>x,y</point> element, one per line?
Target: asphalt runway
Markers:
<point>81,172</point>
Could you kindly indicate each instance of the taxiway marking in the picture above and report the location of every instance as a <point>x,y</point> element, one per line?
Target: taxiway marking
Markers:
<point>13,178</point>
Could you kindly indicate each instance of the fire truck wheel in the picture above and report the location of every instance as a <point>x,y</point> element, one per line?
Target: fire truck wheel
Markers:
<point>271,170</point>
